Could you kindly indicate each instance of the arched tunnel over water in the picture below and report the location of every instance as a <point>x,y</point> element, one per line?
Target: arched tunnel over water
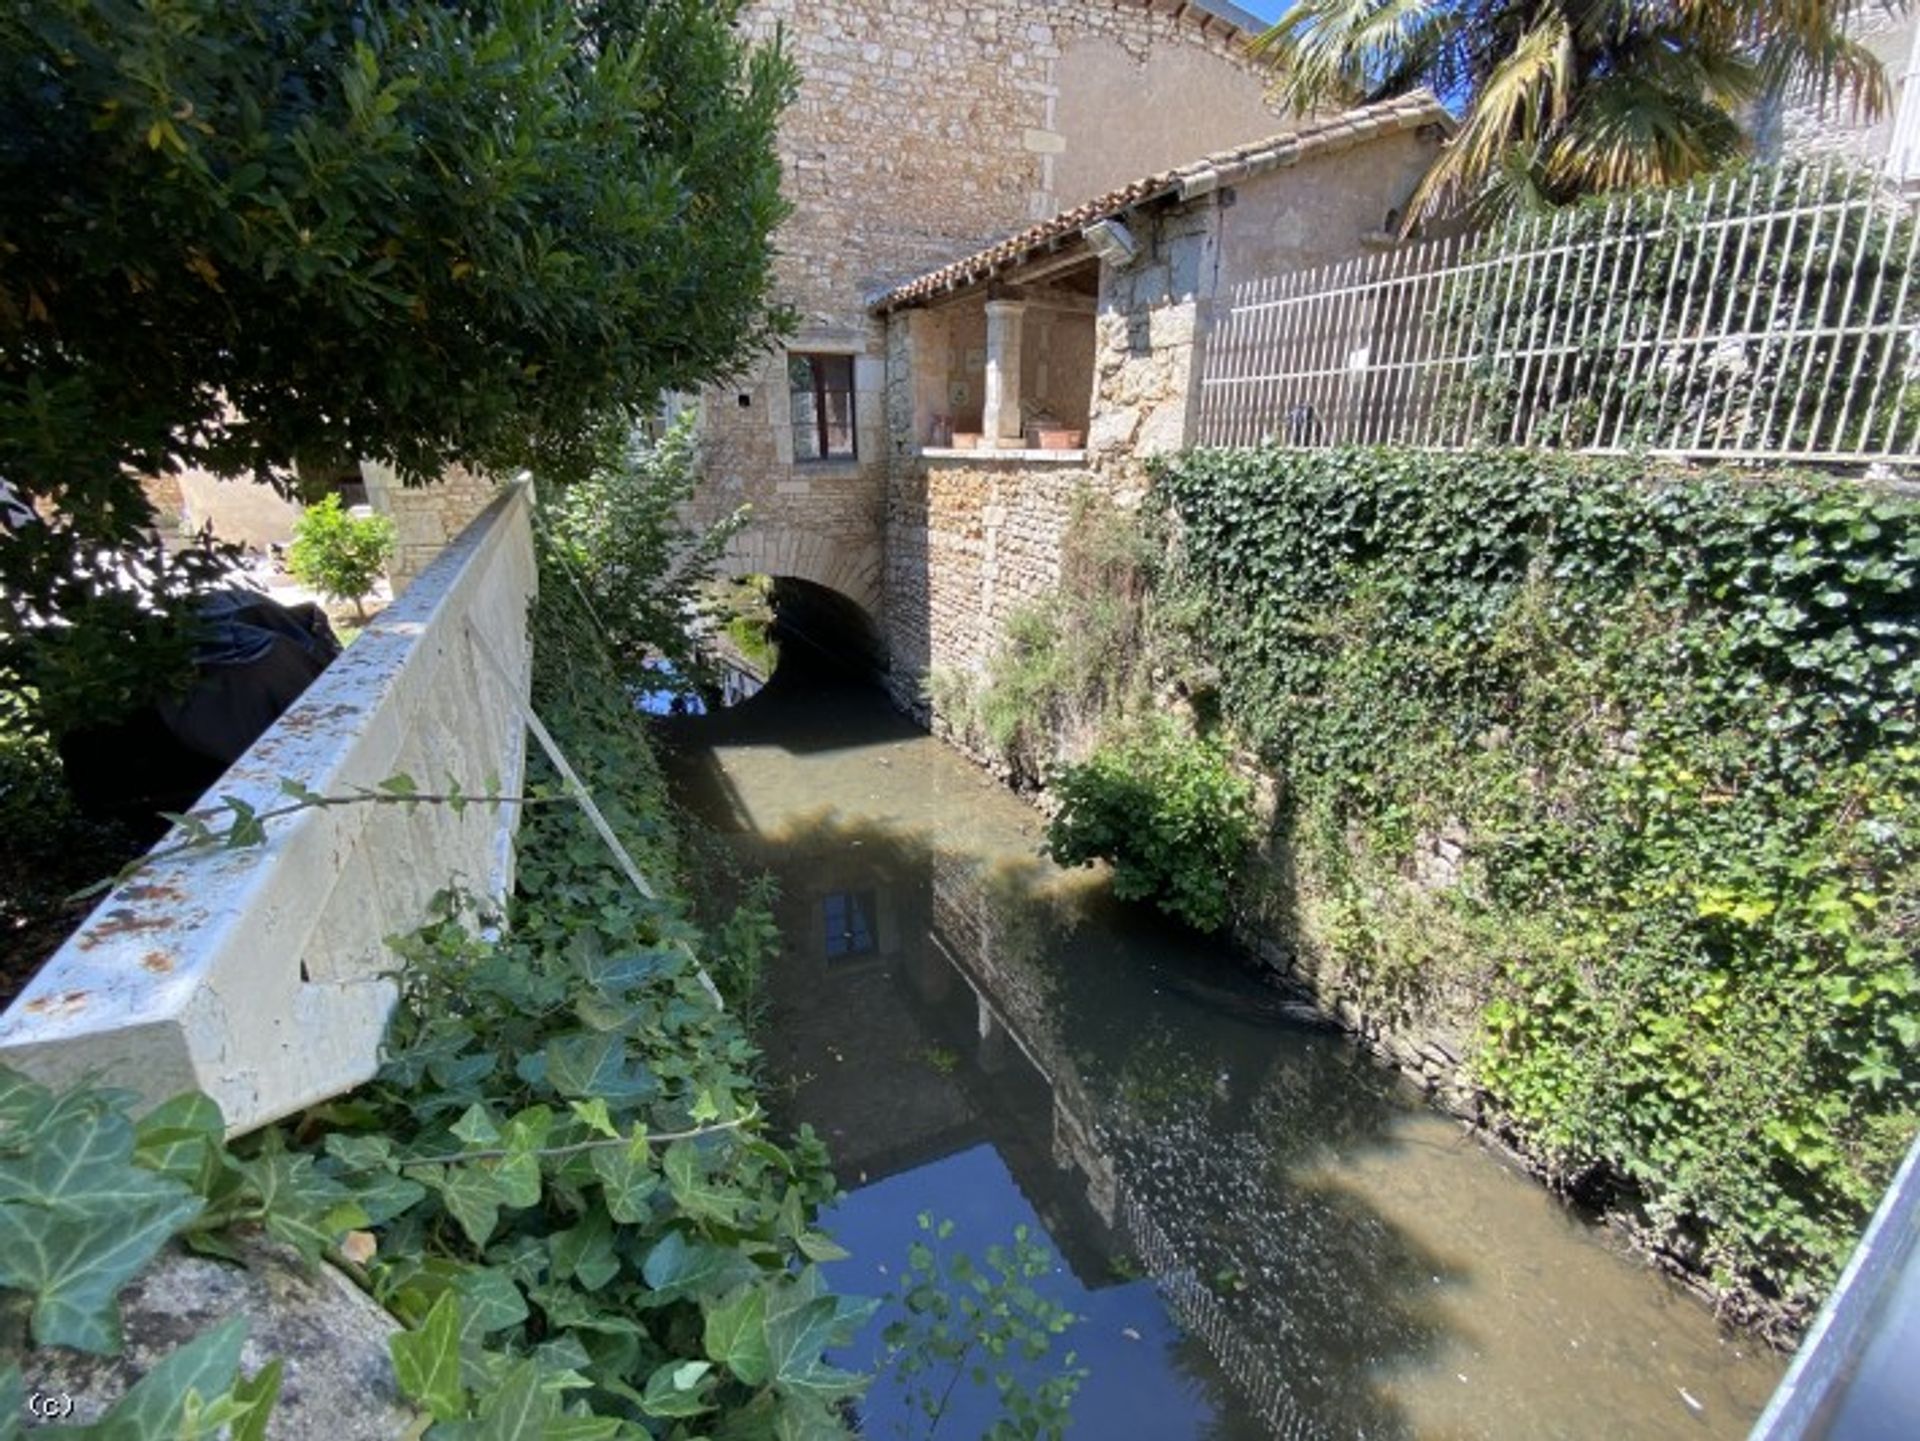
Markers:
<point>1265,1234</point>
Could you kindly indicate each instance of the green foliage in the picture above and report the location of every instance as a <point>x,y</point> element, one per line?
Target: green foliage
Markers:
<point>48,849</point>
<point>1829,287</point>
<point>1167,811</point>
<point>1560,99</point>
<point>984,1324</point>
<point>257,236</point>
<point>88,1196</point>
<point>338,553</point>
<point>1677,719</point>
<point>576,1207</point>
<point>616,536</point>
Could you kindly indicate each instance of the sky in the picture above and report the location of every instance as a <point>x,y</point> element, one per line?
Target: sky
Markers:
<point>1265,9</point>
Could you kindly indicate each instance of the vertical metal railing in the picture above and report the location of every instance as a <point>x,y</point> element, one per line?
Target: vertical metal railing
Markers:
<point>1762,315</point>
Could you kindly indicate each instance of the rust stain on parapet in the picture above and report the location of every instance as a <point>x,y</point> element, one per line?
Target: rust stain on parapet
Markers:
<point>119,923</point>
<point>159,962</point>
<point>66,1003</point>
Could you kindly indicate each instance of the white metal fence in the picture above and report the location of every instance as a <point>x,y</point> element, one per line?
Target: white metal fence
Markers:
<point>1769,315</point>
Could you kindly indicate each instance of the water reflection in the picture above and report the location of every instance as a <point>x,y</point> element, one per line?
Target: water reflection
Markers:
<point>982,1035</point>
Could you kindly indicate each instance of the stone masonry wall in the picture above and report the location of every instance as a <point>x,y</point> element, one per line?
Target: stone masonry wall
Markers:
<point>425,517</point>
<point>922,131</point>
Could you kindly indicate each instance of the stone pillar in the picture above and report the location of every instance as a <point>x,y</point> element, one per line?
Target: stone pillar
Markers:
<point>1000,418</point>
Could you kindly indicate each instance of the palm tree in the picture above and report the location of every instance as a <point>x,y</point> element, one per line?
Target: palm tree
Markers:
<point>1562,98</point>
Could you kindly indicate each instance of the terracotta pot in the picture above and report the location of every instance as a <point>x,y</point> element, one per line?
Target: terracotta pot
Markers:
<point>966,440</point>
<point>1051,438</point>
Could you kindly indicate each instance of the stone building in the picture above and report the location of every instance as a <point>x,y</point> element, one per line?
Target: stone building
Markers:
<point>1805,124</point>
<point>924,134</point>
<point>1062,358</point>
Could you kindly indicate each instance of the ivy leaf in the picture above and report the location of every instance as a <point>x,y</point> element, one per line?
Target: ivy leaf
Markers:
<point>253,1401</point>
<point>675,1389</point>
<point>472,1197</point>
<point>677,1267</point>
<point>819,1246</point>
<point>585,1253</point>
<point>82,1166</point>
<point>626,1183</point>
<point>426,1362</point>
<point>153,1409</point>
<point>476,1127</point>
<point>13,1402</point>
<point>736,1335</point>
<point>182,1138</point>
<point>797,1334</point>
<point>518,1409</point>
<point>307,1210</point>
<point>489,1302</point>
<point>582,1428</point>
<point>74,1266</point>
<point>698,1194</point>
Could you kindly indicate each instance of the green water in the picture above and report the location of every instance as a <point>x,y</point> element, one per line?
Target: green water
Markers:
<point>1266,1234</point>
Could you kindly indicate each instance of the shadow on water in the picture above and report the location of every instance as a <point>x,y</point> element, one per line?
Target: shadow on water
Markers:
<point>981,1035</point>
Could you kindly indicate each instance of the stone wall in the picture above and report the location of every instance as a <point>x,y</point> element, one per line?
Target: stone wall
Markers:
<point>970,541</point>
<point>922,131</point>
<point>425,517</point>
<point>261,975</point>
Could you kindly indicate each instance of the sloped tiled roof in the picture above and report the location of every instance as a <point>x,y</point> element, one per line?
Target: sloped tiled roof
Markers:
<point>1311,141</point>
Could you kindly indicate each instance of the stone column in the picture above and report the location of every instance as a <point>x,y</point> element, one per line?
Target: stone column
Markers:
<point>1000,418</point>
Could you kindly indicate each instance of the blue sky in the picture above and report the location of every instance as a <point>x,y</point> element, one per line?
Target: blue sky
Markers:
<point>1265,9</point>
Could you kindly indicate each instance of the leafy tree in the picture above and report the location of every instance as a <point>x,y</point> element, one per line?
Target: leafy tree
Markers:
<point>262,235</point>
<point>338,553</point>
<point>616,534</point>
<point>1567,97</point>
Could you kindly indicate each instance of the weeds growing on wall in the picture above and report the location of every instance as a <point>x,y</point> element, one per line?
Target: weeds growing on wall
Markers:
<point>1673,722</point>
<point>1063,664</point>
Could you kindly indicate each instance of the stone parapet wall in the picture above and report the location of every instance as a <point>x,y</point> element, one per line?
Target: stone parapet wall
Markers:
<point>261,975</point>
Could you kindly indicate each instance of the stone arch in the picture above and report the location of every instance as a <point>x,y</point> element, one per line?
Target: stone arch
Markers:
<point>825,587</point>
<point>836,563</point>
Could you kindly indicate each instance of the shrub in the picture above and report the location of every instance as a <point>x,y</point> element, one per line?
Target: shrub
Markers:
<point>618,538</point>
<point>1168,812</point>
<point>338,553</point>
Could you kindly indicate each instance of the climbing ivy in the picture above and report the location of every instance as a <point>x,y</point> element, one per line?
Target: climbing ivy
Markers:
<point>588,1228</point>
<point>1675,720</point>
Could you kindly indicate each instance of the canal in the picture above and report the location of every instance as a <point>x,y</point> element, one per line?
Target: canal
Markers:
<point>1263,1233</point>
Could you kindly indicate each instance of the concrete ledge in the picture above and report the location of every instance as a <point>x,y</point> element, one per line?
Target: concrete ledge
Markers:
<point>262,976</point>
<point>1056,457</point>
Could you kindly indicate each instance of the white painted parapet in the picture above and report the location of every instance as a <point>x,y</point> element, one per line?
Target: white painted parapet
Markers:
<point>262,975</point>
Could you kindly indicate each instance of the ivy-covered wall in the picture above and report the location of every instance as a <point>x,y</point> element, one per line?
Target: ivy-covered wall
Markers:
<point>1620,771</point>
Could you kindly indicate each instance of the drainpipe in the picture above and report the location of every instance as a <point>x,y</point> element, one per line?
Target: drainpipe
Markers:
<point>1001,419</point>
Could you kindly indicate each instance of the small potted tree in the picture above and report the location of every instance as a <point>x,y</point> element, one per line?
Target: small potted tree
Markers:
<point>340,554</point>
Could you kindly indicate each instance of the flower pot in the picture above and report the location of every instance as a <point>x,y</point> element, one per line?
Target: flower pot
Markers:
<point>966,440</point>
<point>1057,438</point>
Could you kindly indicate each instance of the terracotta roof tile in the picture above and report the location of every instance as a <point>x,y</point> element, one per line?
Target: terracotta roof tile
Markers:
<point>1226,167</point>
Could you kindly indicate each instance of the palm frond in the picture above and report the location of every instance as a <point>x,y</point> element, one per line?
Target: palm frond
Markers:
<point>1628,131</point>
<point>1528,94</point>
<point>1346,52</point>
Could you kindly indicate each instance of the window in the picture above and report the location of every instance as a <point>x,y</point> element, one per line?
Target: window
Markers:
<point>849,923</point>
<point>822,389</point>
